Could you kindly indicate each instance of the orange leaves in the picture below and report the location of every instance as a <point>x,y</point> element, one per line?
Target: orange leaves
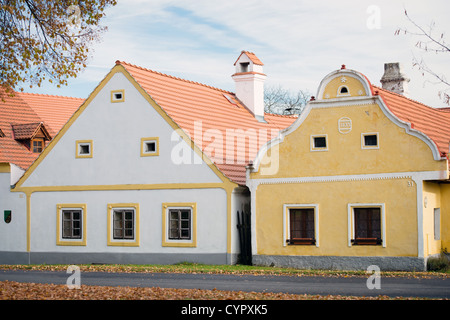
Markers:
<point>38,40</point>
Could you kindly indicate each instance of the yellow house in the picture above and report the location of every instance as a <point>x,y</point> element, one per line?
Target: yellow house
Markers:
<point>360,178</point>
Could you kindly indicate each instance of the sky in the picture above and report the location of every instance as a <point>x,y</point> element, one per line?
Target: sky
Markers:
<point>299,42</point>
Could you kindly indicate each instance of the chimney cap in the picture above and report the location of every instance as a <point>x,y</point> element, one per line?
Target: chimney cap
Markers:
<point>393,71</point>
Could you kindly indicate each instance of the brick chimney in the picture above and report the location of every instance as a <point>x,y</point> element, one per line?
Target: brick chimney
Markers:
<point>249,80</point>
<point>394,80</point>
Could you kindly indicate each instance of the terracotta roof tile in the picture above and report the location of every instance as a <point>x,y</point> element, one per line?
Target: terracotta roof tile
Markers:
<point>214,118</point>
<point>433,122</point>
<point>252,57</point>
<point>28,130</point>
<point>18,117</point>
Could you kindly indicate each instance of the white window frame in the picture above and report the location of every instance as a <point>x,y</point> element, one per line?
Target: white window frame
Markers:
<point>144,142</point>
<point>60,241</point>
<point>123,242</point>
<point>286,221</point>
<point>192,242</point>
<point>437,223</point>
<point>351,220</point>
<point>79,144</point>
<point>339,94</point>
<point>114,98</point>
<point>312,144</point>
<point>363,144</point>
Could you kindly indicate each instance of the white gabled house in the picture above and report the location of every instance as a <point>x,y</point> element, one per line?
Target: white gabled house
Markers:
<point>144,172</point>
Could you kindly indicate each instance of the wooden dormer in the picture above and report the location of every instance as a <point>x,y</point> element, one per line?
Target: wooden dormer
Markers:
<point>31,135</point>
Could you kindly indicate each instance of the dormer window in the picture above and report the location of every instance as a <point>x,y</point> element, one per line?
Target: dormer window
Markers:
<point>244,66</point>
<point>37,145</point>
<point>31,135</point>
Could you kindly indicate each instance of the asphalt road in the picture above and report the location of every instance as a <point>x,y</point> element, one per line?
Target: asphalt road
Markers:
<point>350,286</point>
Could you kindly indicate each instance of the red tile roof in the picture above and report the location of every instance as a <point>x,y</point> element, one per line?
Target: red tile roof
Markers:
<point>28,131</point>
<point>54,110</point>
<point>209,116</point>
<point>433,122</point>
<point>251,56</point>
<point>19,113</point>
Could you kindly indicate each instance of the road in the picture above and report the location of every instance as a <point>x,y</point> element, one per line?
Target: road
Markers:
<point>347,286</point>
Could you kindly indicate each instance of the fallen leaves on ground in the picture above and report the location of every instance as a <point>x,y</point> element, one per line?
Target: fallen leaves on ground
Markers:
<point>11,290</point>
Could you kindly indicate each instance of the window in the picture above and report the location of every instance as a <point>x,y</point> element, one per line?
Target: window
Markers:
<point>244,66</point>
<point>37,145</point>
<point>118,96</point>
<point>7,215</point>
<point>123,224</point>
<point>319,143</point>
<point>83,149</point>
<point>301,226</point>
<point>149,147</point>
<point>437,223</point>
<point>179,225</point>
<point>343,91</point>
<point>71,224</point>
<point>367,223</point>
<point>369,141</point>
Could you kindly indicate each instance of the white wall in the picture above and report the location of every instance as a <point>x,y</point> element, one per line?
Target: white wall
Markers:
<point>116,130</point>
<point>13,235</point>
<point>211,219</point>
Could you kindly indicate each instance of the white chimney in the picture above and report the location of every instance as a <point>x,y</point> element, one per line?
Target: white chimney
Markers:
<point>394,80</point>
<point>249,79</point>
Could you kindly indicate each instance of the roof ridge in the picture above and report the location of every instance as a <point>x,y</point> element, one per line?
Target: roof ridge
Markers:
<point>282,115</point>
<point>173,77</point>
<point>48,95</point>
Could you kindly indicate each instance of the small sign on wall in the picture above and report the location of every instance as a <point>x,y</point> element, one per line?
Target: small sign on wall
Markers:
<point>344,125</point>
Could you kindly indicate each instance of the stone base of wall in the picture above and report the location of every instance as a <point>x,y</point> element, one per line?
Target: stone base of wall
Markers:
<point>113,258</point>
<point>342,263</point>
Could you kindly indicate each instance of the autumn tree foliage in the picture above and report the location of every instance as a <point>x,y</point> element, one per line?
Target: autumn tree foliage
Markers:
<point>47,40</point>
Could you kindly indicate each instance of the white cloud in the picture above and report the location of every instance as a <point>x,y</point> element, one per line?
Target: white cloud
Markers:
<point>299,41</point>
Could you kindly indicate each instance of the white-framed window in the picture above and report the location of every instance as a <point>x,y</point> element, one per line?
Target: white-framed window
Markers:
<point>319,142</point>
<point>343,91</point>
<point>84,149</point>
<point>179,225</point>
<point>370,140</point>
<point>437,223</point>
<point>150,147</point>
<point>123,224</point>
<point>366,224</point>
<point>71,224</point>
<point>117,96</point>
<point>301,224</point>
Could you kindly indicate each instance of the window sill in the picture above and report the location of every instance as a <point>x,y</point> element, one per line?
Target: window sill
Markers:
<point>303,241</point>
<point>367,241</point>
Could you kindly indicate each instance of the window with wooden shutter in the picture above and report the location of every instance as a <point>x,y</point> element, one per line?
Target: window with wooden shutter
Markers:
<point>301,222</point>
<point>367,226</point>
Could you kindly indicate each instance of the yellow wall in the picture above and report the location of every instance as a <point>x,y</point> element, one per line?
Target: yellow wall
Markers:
<point>432,200</point>
<point>333,199</point>
<point>445,216</point>
<point>397,152</point>
<point>354,85</point>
